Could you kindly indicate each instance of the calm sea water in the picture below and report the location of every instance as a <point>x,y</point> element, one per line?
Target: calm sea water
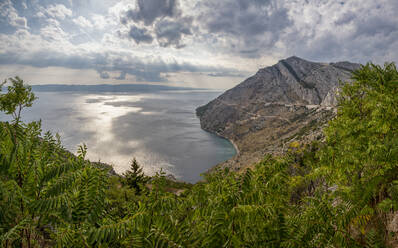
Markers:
<point>159,129</point>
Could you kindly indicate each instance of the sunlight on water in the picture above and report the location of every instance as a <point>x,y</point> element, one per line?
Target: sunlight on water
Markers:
<point>159,129</point>
<point>101,111</point>
<point>100,116</point>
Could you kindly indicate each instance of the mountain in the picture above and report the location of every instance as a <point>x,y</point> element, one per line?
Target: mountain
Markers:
<point>287,101</point>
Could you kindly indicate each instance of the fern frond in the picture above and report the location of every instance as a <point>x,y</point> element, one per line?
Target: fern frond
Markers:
<point>53,203</point>
<point>110,233</point>
<point>61,184</point>
<point>14,232</point>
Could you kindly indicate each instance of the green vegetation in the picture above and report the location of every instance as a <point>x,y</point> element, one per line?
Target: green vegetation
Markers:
<point>339,193</point>
<point>135,178</point>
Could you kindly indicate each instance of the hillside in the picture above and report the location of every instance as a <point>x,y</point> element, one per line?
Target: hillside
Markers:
<point>341,192</point>
<point>289,100</point>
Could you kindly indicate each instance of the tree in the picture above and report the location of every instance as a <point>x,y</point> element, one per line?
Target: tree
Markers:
<point>18,96</point>
<point>134,177</point>
<point>45,192</point>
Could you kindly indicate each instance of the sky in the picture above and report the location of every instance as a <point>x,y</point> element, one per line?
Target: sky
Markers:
<point>189,43</point>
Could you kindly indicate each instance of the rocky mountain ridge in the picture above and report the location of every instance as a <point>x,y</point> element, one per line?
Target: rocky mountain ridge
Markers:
<point>289,100</point>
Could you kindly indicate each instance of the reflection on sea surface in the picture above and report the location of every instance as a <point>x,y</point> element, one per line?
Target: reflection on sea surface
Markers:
<point>159,129</point>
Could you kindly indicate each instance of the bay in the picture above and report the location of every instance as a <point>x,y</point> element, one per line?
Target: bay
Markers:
<point>159,129</point>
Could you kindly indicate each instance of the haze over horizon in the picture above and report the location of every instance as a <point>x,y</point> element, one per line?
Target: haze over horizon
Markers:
<point>203,43</point>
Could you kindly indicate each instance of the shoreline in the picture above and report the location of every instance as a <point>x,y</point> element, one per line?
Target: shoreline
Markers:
<point>236,148</point>
<point>223,137</point>
<point>232,142</point>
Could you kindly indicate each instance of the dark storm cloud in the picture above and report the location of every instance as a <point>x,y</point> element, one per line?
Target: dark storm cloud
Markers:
<point>316,29</point>
<point>239,17</point>
<point>249,24</point>
<point>140,35</point>
<point>148,11</point>
<point>170,32</point>
<point>162,19</point>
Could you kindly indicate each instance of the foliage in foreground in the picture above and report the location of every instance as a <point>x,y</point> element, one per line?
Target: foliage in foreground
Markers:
<point>340,193</point>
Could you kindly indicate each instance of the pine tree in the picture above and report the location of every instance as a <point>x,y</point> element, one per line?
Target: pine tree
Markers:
<point>134,177</point>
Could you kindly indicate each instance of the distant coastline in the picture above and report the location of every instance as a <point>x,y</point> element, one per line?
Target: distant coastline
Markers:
<point>108,88</point>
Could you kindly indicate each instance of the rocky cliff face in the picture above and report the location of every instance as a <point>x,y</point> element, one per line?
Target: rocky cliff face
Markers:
<point>276,105</point>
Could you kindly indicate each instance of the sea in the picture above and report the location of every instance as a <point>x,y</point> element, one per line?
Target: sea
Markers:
<point>157,127</point>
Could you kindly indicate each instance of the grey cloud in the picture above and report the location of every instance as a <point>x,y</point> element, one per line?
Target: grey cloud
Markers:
<point>170,32</point>
<point>51,58</point>
<point>376,25</point>
<point>329,31</point>
<point>250,51</point>
<point>317,30</point>
<point>155,71</point>
<point>346,18</point>
<point>122,76</point>
<point>162,19</point>
<point>140,35</point>
<point>276,28</point>
<point>228,74</point>
<point>148,11</point>
<point>243,17</point>
<point>249,24</point>
<point>103,74</point>
<point>361,33</point>
<point>104,63</point>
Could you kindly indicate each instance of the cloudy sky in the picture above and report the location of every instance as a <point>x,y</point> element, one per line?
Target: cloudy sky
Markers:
<point>197,43</point>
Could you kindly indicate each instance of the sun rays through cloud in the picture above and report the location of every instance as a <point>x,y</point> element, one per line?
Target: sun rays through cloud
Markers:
<point>199,43</point>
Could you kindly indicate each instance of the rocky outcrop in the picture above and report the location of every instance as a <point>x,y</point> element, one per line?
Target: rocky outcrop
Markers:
<point>279,103</point>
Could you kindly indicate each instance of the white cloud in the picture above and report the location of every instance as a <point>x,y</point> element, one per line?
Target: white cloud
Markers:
<point>52,49</point>
<point>7,10</point>
<point>241,35</point>
<point>40,14</point>
<point>19,22</point>
<point>99,21</point>
<point>83,22</point>
<point>56,11</point>
<point>53,32</point>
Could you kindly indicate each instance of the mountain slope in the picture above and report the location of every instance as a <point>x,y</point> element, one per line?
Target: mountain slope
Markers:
<point>270,109</point>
